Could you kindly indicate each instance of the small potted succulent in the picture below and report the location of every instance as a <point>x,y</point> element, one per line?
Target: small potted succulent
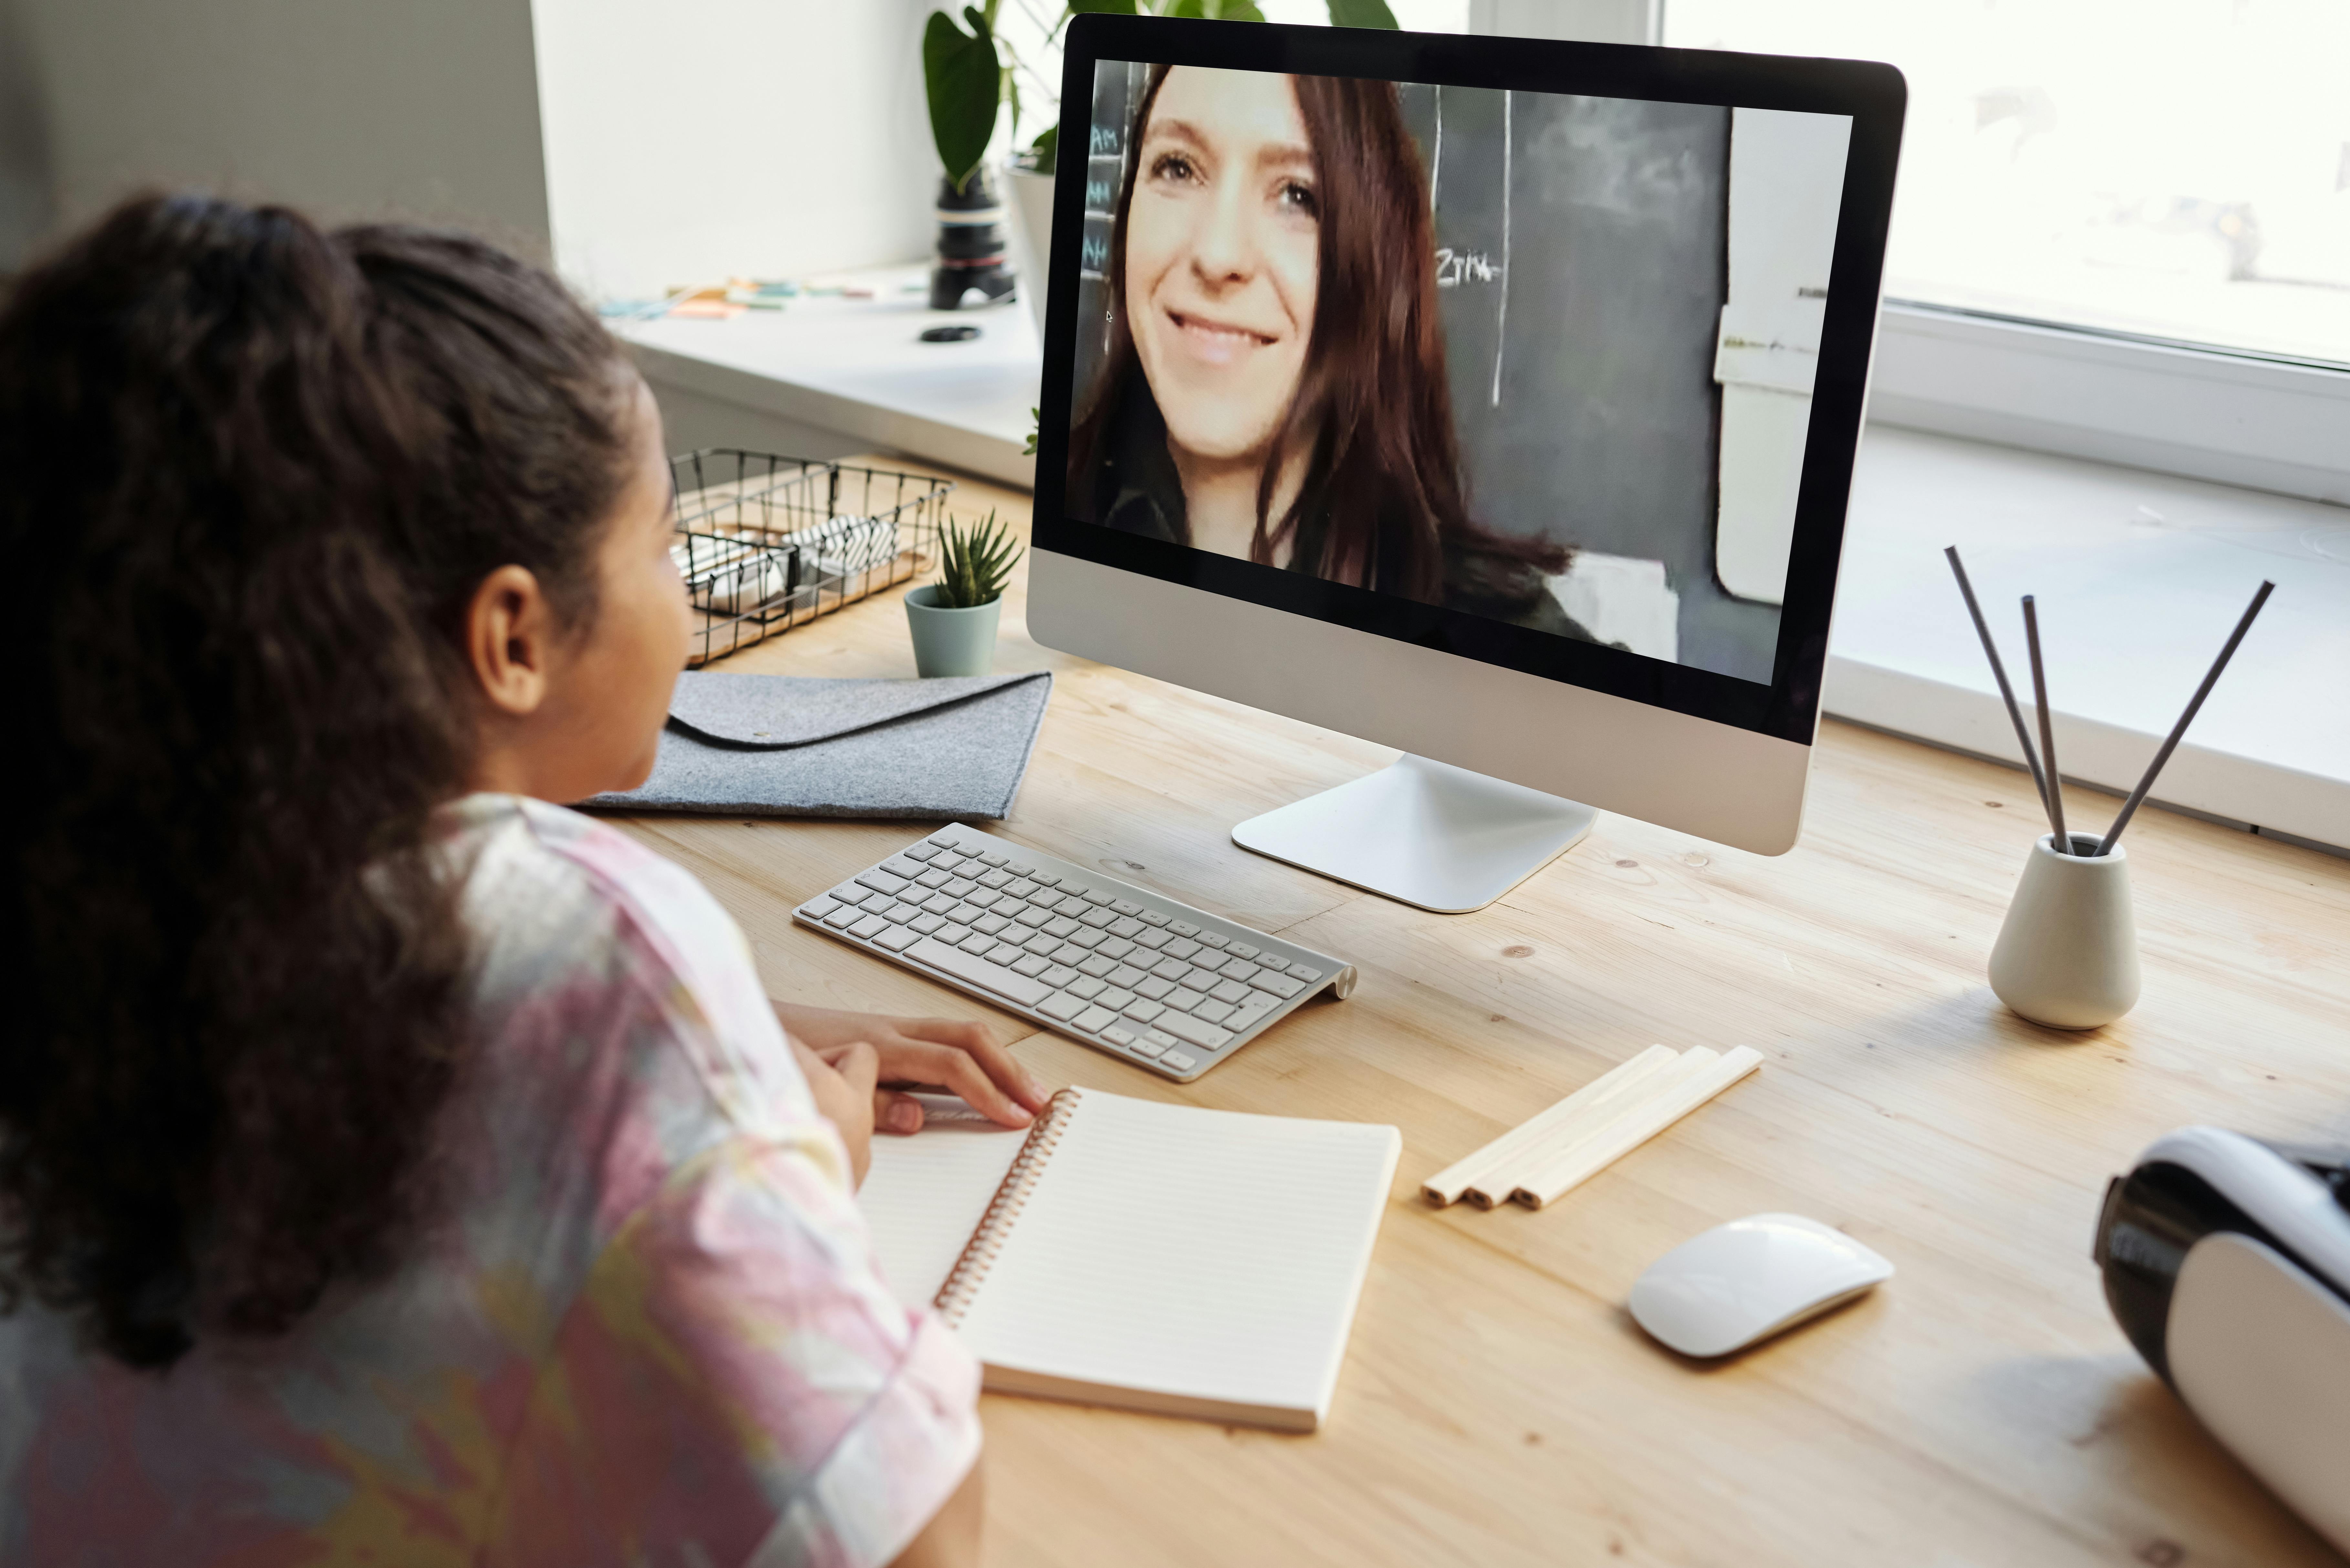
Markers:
<point>953,619</point>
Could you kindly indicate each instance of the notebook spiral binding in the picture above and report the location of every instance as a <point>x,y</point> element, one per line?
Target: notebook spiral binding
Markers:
<point>954,1297</point>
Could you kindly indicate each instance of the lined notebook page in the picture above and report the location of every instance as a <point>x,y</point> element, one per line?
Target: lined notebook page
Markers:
<point>1204,1255</point>
<point>923,1196</point>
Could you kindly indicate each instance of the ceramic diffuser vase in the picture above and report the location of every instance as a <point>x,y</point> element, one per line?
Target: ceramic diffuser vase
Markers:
<point>2067,955</point>
<point>953,621</point>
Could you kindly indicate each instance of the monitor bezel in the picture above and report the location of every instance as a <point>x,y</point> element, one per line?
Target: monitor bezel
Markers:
<point>1873,95</point>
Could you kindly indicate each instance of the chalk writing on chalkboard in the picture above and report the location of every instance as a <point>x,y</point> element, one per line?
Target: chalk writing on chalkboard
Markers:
<point>1454,268</point>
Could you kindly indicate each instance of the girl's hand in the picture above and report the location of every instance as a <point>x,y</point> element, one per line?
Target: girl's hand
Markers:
<point>941,1053</point>
<point>843,1087</point>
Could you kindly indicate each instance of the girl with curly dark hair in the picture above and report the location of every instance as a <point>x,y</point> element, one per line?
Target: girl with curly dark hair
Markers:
<point>393,1165</point>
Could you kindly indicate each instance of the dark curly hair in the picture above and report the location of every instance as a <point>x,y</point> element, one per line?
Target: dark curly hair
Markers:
<point>251,474</point>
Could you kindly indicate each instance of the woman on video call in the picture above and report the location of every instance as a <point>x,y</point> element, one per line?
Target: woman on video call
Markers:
<point>1274,282</point>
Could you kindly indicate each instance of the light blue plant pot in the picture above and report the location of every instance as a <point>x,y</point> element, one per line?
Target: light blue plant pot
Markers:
<point>951,642</point>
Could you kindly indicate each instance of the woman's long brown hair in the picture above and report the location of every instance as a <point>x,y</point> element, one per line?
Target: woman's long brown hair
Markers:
<point>1374,407</point>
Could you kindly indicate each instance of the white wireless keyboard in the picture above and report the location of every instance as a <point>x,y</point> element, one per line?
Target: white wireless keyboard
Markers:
<point>1125,970</point>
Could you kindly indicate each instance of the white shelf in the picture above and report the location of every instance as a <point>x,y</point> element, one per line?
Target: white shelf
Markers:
<point>2139,578</point>
<point>857,368</point>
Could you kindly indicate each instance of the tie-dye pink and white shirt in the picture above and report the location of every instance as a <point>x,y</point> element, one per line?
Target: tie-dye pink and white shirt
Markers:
<point>649,1330</point>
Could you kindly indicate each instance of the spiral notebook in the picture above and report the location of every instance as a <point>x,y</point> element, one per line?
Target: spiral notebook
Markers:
<point>1147,1256</point>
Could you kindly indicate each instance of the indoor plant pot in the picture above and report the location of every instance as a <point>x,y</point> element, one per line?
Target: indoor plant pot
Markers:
<point>951,642</point>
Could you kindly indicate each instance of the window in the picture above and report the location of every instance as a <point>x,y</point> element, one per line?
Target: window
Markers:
<point>2175,169</point>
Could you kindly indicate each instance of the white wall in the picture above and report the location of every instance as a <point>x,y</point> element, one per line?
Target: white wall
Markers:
<point>415,109</point>
<point>695,139</point>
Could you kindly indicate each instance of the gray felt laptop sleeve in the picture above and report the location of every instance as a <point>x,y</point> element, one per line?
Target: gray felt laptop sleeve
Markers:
<point>775,745</point>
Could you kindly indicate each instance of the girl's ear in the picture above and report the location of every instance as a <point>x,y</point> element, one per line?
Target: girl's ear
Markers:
<point>510,634</point>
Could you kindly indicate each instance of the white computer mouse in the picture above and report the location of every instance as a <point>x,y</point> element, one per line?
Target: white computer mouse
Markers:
<point>1750,1279</point>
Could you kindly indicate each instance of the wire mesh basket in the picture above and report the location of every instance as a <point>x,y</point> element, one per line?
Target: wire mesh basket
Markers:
<point>768,543</point>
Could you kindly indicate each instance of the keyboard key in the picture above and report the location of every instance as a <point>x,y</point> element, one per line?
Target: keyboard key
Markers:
<point>995,879</point>
<point>978,942</point>
<point>1093,1018</point>
<point>1267,961</point>
<point>1160,1038</point>
<point>817,909</point>
<point>1182,998</point>
<point>1070,954</point>
<point>1096,919</point>
<point>1061,926</point>
<point>1061,1005</point>
<point>979,972</point>
<point>926,924</point>
<point>992,858</point>
<point>1127,906</point>
<point>1098,966</point>
<point>852,894</point>
<point>1151,918</point>
<point>1007,954</point>
<point>1282,986</point>
<point>1114,997</point>
<point>1058,975</point>
<point>1300,972</point>
<point>1229,991</point>
<point>1181,948</point>
<point>1089,988</point>
<point>990,924</point>
<point>1032,966</point>
<point>1017,869</point>
<point>934,878</point>
<point>1124,927</point>
<point>1096,896</point>
<point>843,918</point>
<point>901,866</point>
<point>1242,949</point>
<point>943,842</point>
<point>922,852</point>
<point>1032,917</point>
<point>1183,928</point>
<point>1250,1013</point>
<point>953,934</point>
<point>1043,942</point>
<point>1020,889</point>
<point>1154,940</point>
<point>950,862</point>
<point>1115,947</point>
<point>1213,1012</point>
<point>1206,1036</point>
<point>981,899</point>
<point>1044,878</point>
<point>960,888</point>
<point>1046,898</point>
<point>896,940</point>
<point>1126,974</point>
<point>1211,939</point>
<point>1154,988</point>
<point>1147,1046</point>
<point>1182,1061</point>
<point>1144,1012</point>
<point>1240,969</point>
<point>1071,905</point>
<point>869,928</point>
<point>1173,969</point>
<point>1086,941</point>
<point>1117,1036</point>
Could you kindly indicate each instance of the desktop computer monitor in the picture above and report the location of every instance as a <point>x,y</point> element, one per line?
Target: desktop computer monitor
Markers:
<point>1491,399</point>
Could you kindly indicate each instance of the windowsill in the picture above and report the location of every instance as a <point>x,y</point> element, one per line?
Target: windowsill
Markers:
<point>2139,575</point>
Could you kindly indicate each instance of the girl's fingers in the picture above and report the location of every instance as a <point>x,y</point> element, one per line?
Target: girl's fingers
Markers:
<point>977,1042</point>
<point>955,1069</point>
<point>897,1113</point>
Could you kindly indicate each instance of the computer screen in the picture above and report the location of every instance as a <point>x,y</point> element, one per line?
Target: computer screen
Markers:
<point>1541,357</point>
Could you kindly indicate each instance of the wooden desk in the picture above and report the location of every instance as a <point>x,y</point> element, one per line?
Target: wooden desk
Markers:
<point>1498,1405</point>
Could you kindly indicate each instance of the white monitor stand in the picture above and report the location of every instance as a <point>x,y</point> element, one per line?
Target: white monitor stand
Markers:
<point>1422,832</point>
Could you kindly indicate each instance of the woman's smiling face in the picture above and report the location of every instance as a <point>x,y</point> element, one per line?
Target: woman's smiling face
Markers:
<point>1222,255</point>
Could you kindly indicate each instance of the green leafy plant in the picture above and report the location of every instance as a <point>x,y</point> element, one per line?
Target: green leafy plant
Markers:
<point>1036,429</point>
<point>974,562</point>
<point>969,74</point>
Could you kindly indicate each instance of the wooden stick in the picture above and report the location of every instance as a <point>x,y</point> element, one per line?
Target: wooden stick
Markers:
<point>2047,732</point>
<point>1999,673</point>
<point>1641,1102</point>
<point>2170,744</point>
<point>1548,1185</point>
<point>1493,1189</point>
<point>1447,1185</point>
